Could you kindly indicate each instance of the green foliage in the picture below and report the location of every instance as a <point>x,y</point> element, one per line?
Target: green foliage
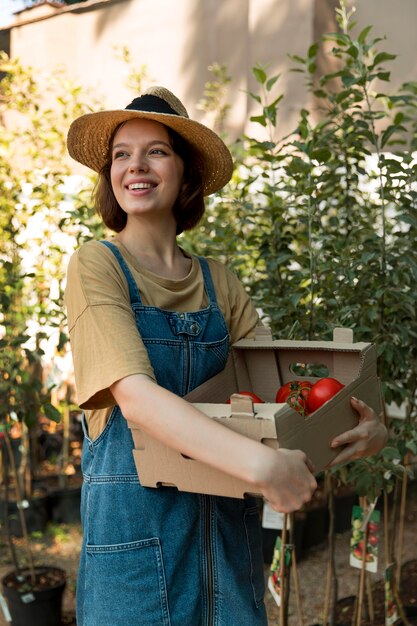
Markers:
<point>213,101</point>
<point>33,248</point>
<point>135,78</point>
<point>321,224</point>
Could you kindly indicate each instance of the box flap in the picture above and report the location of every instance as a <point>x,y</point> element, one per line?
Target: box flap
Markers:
<point>343,335</point>
<point>253,344</point>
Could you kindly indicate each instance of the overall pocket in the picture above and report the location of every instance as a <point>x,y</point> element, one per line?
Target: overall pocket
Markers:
<point>254,539</point>
<point>125,585</point>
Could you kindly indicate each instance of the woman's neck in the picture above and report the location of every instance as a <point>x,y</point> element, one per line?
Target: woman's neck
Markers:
<point>156,251</point>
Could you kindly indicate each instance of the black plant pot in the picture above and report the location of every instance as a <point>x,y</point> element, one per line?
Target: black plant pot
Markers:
<point>64,505</point>
<point>409,587</point>
<point>40,606</point>
<point>343,505</point>
<point>269,537</point>
<point>316,526</point>
<point>36,516</point>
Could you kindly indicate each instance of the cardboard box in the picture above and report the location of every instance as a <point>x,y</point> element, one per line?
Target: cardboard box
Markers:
<point>262,365</point>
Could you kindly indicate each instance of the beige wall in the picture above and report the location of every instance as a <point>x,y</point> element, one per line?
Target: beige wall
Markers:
<point>178,39</point>
<point>397,19</point>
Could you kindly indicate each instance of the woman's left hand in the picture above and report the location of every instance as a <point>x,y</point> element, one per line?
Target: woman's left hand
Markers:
<point>366,439</point>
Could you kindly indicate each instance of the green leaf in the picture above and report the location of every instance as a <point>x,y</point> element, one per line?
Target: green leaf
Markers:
<point>383,56</point>
<point>254,96</point>
<point>271,82</point>
<point>259,74</point>
<point>321,155</point>
<point>407,218</point>
<point>51,412</point>
<point>363,34</point>
<point>353,51</point>
<point>259,119</point>
<point>339,38</point>
<point>296,58</point>
<point>384,76</point>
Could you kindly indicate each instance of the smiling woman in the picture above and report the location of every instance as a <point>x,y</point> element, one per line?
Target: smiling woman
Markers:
<point>148,324</point>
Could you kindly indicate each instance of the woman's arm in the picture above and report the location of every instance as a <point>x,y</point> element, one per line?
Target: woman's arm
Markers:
<point>284,477</point>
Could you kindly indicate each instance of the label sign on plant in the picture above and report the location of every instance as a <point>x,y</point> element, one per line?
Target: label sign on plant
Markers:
<point>274,580</point>
<point>364,540</point>
<point>273,519</point>
<point>27,598</point>
<point>5,609</point>
<point>391,611</point>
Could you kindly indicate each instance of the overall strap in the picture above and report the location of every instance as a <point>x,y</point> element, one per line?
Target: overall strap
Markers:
<point>133,289</point>
<point>208,281</point>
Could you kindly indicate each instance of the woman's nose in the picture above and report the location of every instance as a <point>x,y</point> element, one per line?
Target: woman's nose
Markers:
<point>139,163</point>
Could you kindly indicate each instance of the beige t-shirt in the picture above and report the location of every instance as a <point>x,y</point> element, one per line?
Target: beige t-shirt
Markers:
<point>105,343</point>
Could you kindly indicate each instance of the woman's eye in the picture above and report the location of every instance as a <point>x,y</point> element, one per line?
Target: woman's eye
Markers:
<point>158,151</point>
<point>119,154</point>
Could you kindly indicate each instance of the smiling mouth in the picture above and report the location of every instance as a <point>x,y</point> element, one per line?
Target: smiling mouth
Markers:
<point>134,186</point>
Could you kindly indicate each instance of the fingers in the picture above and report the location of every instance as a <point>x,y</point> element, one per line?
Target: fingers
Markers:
<point>343,457</point>
<point>365,411</point>
<point>350,436</point>
<point>368,438</point>
<point>361,431</point>
<point>310,465</point>
<point>292,482</point>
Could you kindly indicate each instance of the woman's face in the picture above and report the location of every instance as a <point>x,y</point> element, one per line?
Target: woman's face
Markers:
<point>146,174</point>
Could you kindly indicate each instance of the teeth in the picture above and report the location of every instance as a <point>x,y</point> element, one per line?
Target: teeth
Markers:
<point>140,186</point>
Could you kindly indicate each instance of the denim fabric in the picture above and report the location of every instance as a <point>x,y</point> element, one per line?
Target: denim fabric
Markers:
<point>159,557</point>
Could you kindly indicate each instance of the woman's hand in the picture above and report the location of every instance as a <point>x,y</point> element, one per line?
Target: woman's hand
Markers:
<point>287,479</point>
<point>366,439</point>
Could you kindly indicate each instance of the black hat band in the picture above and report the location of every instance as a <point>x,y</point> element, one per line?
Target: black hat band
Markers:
<point>151,104</point>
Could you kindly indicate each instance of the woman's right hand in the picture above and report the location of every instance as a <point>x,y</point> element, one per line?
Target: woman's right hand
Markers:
<point>287,481</point>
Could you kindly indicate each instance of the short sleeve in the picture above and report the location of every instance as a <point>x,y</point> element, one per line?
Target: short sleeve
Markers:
<point>105,343</point>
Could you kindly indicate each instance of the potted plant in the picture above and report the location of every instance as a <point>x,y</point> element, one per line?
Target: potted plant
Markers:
<point>33,592</point>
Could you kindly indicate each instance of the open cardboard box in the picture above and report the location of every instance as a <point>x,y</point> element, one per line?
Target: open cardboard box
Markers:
<point>262,365</point>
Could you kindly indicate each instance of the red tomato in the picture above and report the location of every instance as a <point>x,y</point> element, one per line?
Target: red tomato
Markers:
<point>295,393</point>
<point>358,553</point>
<point>302,386</point>
<point>254,397</point>
<point>321,392</point>
<point>373,540</point>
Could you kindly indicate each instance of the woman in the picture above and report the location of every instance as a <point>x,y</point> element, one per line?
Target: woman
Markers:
<point>148,323</point>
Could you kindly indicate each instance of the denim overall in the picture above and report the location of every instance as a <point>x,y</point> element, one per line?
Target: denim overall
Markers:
<point>160,557</point>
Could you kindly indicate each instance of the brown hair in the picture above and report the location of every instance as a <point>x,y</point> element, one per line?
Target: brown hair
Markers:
<point>189,205</point>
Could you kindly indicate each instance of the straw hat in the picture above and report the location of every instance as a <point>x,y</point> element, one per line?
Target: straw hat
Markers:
<point>89,135</point>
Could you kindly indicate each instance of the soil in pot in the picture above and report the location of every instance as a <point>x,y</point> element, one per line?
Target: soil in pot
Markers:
<point>408,587</point>
<point>345,608</point>
<point>39,604</point>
